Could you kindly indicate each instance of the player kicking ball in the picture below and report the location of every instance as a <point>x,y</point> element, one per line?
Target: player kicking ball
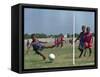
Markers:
<point>38,46</point>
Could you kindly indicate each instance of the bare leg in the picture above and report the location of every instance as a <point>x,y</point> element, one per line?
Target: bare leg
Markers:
<point>85,52</point>
<point>79,49</point>
<point>57,45</point>
<point>62,44</point>
<point>81,53</point>
<point>90,51</point>
<point>52,46</point>
<point>39,53</point>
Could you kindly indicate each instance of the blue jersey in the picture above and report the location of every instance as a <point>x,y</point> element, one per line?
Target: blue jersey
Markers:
<point>37,45</point>
<point>81,45</point>
<point>82,37</point>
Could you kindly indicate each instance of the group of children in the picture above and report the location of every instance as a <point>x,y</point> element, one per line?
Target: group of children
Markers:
<point>85,41</point>
<point>59,41</point>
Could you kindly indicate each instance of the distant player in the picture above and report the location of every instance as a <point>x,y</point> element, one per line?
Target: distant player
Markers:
<point>71,41</point>
<point>56,42</point>
<point>27,45</point>
<point>81,40</point>
<point>61,40</point>
<point>38,46</point>
<point>88,40</point>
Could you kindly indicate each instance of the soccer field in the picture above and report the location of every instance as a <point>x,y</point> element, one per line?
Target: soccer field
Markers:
<point>64,58</point>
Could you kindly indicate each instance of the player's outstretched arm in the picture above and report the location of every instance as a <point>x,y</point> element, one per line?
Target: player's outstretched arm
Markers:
<point>50,46</point>
<point>78,37</point>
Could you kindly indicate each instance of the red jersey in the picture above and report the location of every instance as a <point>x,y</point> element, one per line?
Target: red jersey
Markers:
<point>62,38</point>
<point>88,37</point>
<point>56,42</point>
<point>88,40</point>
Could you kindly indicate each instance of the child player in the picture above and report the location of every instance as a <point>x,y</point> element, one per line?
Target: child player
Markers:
<point>27,45</point>
<point>61,40</point>
<point>81,40</point>
<point>56,42</point>
<point>88,40</point>
<point>38,46</point>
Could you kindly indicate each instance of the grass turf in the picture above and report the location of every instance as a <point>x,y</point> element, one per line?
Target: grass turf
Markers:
<point>64,58</point>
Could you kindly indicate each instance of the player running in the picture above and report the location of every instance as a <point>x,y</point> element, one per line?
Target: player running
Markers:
<point>81,40</point>
<point>88,40</point>
<point>38,46</point>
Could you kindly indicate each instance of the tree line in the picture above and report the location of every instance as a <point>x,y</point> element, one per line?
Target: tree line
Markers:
<point>42,35</point>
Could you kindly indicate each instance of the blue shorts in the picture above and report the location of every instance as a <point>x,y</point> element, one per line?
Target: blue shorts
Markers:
<point>81,45</point>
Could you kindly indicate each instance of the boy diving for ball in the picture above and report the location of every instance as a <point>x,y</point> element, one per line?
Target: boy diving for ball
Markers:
<point>38,46</point>
<point>81,40</point>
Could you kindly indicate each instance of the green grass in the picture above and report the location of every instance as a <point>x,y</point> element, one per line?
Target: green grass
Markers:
<point>64,58</point>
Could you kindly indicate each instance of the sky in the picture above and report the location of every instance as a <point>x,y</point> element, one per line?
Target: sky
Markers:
<point>56,21</point>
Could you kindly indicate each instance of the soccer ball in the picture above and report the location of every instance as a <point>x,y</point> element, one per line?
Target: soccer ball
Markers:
<point>51,57</point>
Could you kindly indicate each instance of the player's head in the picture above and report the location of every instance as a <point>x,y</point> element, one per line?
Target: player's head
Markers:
<point>61,35</point>
<point>83,28</point>
<point>88,29</point>
<point>33,36</point>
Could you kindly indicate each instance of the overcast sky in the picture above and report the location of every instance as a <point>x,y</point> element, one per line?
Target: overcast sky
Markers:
<point>55,21</point>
